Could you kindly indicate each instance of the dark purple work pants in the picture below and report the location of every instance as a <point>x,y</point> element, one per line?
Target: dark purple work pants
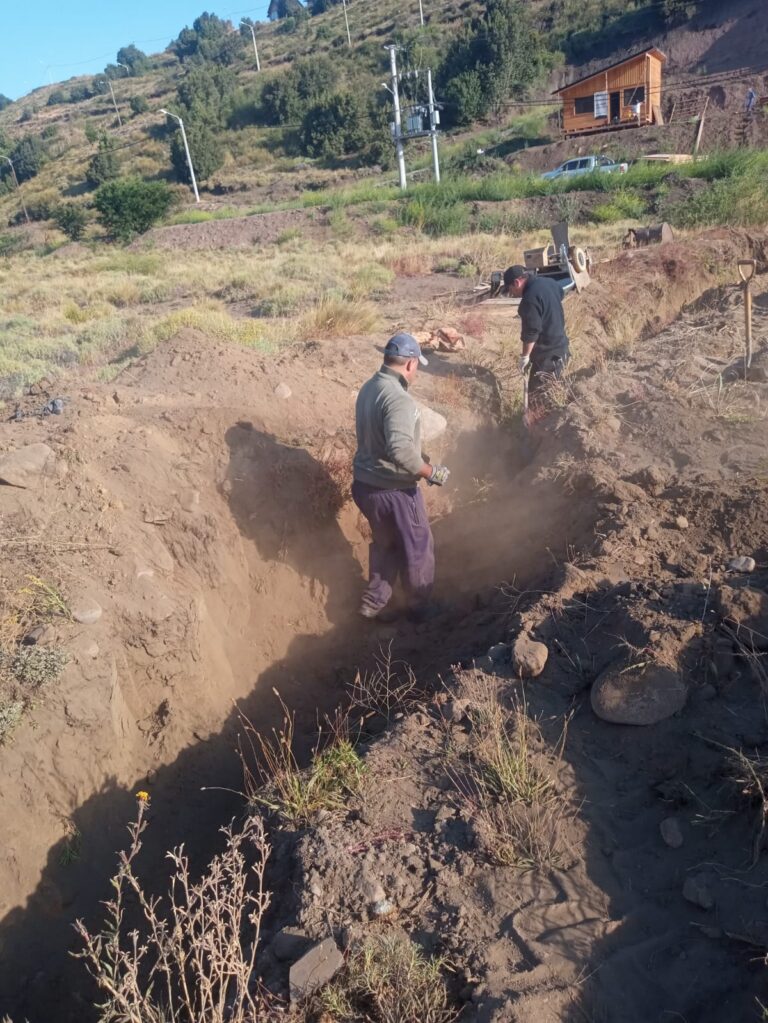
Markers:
<point>402,543</point>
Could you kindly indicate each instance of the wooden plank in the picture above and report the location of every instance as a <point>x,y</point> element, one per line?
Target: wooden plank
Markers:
<point>658,117</point>
<point>700,132</point>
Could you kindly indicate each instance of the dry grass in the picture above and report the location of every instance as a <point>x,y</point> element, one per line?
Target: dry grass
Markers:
<point>191,956</point>
<point>510,781</point>
<point>274,779</point>
<point>388,689</point>
<point>329,486</point>
<point>389,979</point>
<point>334,317</point>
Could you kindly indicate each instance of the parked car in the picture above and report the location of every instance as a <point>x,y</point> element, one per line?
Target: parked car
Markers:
<point>586,165</point>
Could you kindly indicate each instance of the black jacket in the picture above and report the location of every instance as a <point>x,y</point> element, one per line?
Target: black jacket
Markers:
<point>541,310</point>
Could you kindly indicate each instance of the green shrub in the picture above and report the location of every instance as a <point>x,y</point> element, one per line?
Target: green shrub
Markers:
<point>623,205</point>
<point>128,206</point>
<point>72,219</point>
<point>104,164</point>
<point>138,105</point>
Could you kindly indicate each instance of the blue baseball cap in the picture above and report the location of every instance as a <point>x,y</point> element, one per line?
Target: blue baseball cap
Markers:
<point>406,346</point>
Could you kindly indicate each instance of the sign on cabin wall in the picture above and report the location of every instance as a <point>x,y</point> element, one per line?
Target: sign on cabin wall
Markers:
<point>601,104</point>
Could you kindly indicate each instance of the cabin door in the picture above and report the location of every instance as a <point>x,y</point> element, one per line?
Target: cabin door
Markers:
<point>615,107</point>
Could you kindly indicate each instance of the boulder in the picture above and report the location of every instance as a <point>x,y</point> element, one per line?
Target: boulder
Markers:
<point>743,564</point>
<point>625,695</point>
<point>87,611</point>
<point>314,970</point>
<point>289,944</point>
<point>433,425</point>
<point>528,656</point>
<point>26,466</point>
<point>283,390</point>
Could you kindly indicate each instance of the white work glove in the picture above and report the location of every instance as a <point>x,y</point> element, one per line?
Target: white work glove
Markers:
<point>440,474</point>
<point>524,362</point>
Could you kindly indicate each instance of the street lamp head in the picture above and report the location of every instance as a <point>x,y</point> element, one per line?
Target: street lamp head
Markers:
<point>165,112</point>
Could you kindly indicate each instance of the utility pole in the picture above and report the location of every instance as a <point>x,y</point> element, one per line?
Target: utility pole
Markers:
<point>397,131</point>
<point>421,12</point>
<point>346,22</point>
<point>9,161</point>
<point>255,47</point>
<point>114,102</point>
<point>186,150</point>
<point>434,120</point>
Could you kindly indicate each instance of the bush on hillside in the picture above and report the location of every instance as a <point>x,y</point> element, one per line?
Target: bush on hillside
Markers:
<point>80,93</point>
<point>497,57</point>
<point>138,105</point>
<point>279,9</point>
<point>92,132</point>
<point>133,58</point>
<point>128,206</point>
<point>56,97</point>
<point>28,156</point>
<point>287,98</point>
<point>72,219</point>
<point>205,149</point>
<point>206,95</point>
<point>5,101</point>
<point>210,39</point>
<point>104,164</point>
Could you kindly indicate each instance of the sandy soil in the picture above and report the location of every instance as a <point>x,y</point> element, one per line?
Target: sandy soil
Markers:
<point>208,518</point>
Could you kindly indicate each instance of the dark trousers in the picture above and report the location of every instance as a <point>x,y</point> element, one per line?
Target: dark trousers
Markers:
<point>401,543</point>
<point>550,366</point>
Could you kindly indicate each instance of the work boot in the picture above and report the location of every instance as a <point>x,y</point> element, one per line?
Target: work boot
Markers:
<point>382,614</point>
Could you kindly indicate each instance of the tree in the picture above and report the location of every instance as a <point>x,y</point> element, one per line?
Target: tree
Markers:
<point>287,98</point>
<point>28,156</point>
<point>4,101</point>
<point>104,164</point>
<point>321,6</point>
<point>338,125</point>
<point>91,131</point>
<point>676,12</point>
<point>133,58</point>
<point>497,57</point>
<point>210,38</point>
<point>205,149</point>
<point>72,219</point>
<point>206,95</point>
<point>57,96</point>
<point>128,207</point>
<point>279,9</point>
<point>138,105</point>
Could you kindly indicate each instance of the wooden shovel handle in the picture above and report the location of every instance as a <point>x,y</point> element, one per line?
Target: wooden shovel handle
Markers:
<point>743,265</point>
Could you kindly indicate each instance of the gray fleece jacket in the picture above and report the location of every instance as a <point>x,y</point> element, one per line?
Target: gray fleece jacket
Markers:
<point>388,423</point>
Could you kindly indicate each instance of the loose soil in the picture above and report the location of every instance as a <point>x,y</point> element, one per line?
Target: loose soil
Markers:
<point>209,518</point>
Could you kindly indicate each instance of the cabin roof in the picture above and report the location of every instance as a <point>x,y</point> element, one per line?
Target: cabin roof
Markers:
<point>595,74</point>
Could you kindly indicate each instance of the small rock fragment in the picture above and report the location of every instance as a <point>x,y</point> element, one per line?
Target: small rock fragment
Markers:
<point>315,969</point>
<point>638,695</point>
<point>383,907</point>
<point>681,522</point>
<point>484,664</point>
<point>671,832</point>
<point>697,891</point>
<point>499,653</point>
<point>190,500</point>
<point>283,390</point>
<point>87,611</point>
<point>289,944</point>
<point>372,891</point>
<point>743,564</point>
<point>528,656</point>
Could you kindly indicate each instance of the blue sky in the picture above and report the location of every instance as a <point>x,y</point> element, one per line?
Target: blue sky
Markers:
<point>52,40</point>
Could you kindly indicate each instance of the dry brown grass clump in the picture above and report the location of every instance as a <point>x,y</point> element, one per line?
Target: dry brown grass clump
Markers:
<point>191,956</point>
<point>389,979</point>
<point>334,317</point>
<point>510,777</point>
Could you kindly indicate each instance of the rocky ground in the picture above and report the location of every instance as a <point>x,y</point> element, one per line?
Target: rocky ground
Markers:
<point>596,628</point>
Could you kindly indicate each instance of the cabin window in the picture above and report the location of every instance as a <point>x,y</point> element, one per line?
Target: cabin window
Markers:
<point>636,95</point>
<point>584,105</point>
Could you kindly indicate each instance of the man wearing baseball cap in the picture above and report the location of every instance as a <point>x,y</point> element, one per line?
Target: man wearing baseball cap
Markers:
<point>388,467</point>
<point>545,343</point>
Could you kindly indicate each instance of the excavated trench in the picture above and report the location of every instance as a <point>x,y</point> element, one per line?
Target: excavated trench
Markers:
<point>263,590</point>
<point>249,585</point>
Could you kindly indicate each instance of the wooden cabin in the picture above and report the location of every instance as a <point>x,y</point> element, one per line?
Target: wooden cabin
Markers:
<point>623,95</point>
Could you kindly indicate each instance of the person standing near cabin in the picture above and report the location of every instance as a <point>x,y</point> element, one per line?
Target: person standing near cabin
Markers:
<point>749,102</point>
<point>545,344</point>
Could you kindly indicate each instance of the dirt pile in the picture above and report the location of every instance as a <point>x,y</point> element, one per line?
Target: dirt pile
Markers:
<point>195,517</point>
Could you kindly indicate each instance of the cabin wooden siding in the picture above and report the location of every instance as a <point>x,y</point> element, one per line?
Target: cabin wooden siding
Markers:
<point>643,70</point>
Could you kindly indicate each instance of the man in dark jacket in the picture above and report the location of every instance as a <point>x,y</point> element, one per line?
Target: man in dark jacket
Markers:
<point>545,343</point>
<point>388,466</point>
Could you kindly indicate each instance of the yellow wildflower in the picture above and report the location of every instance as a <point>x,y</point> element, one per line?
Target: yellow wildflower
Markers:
<point>142,796</point>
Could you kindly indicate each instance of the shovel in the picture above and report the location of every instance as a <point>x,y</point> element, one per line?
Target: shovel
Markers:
<point>526,379</point>
<point>747,269</point>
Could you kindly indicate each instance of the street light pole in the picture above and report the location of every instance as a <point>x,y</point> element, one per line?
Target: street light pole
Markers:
<point>117,62</point>
<point>186,150</point>
<point>255,47</point>
<point>114,101</point>
<point>346,22</point>
<point>16,183</point>
<point>434,119</point>
<point>421,12</point>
